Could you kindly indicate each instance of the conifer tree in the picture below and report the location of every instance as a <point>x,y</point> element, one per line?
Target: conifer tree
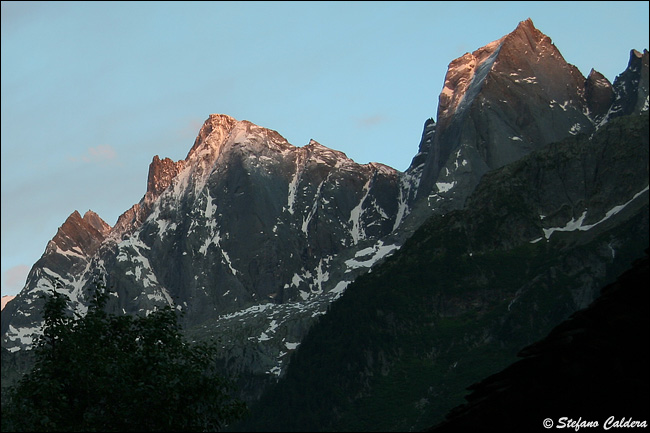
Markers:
<point>107,372</point>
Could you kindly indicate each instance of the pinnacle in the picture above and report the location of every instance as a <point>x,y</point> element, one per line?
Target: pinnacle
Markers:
<point>219,125</point>
<point>313,142</point>
<point>90,214</point>
<point>220,118</point>
<point>527,31</point>
<point>528,23</point>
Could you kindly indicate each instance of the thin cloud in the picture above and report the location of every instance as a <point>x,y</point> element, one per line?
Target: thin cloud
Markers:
<point>367,122</point>
<point>462,49</point>
<point>14,278</point>
<point>193,126</point>
<point>101,153</point>
<point>190,129</point>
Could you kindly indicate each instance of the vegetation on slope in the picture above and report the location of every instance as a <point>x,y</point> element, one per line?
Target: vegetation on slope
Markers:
<point>465,293</point>
<point>103,372</point>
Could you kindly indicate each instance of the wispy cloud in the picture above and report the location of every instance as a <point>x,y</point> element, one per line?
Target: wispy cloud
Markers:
<point>366,122</point>
<point>14,278</point>
<point>100,153</point>
<point>189,129</point>
<point>461,49</point>
<point>193,126</point>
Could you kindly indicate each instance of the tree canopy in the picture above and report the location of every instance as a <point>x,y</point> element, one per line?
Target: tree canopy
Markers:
<point>107,372</point>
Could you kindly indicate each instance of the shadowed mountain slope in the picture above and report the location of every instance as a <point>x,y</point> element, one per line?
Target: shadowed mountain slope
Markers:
<point>591,367</point>
<point>470,289</point>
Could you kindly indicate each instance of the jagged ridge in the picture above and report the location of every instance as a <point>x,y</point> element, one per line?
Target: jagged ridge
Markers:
<point>254,237</point>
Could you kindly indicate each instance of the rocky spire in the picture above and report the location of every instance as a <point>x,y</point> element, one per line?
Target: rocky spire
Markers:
<point>80,234</point>
<point>213,132</point>
<point>631,86</point>
<point>599,94</point>
<point>161,173</point>
<point>498,103</point>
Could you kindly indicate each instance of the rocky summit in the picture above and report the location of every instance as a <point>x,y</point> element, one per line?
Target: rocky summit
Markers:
<point>246,223</point>
<point>509,98</point>
<point>254,239</point>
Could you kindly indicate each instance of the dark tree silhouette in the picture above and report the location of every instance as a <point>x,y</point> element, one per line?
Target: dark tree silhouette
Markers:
<point>104,372</point>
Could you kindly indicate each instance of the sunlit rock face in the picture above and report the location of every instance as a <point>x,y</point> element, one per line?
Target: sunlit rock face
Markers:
<point>5,300</point>
<point>253,238</point>
<point>247,226</point>
<point>66,259</point>
<point>253,219</point>
<point>515,95</point>
<point>499,103</point>
<point>161,174</point>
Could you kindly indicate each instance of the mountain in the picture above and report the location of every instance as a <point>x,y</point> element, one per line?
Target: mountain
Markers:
<point>6,299</point>
<point>526,194</point>
<point>599,349</point>
<point>512,96</point>
<point>246,223</point>
<point>470,288</point>
<point>532,243</point>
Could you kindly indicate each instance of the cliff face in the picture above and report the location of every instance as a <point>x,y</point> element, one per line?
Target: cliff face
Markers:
<point>631,87</point>
<point>254,238</point>
<point>513,96</point>
<point>248,227</point>
<point>469,289</point>
<point>67,256</point>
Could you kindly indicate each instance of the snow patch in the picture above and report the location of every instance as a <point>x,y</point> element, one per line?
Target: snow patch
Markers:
<point>574,224</point>
<point>293,185</point>
<point>402,206</point>
<point>210,207</point>
<point>445,186</point>
<point>314,207</point>
<point>21,336</point>
<point>575,129</point>
<point>527,80</point>
<point>340,288</point>
<point>255,309</point>
<point>357,231</point>
<point>373,254</point>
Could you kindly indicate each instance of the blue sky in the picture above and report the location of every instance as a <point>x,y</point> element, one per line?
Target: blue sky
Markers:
<point>91,91</point>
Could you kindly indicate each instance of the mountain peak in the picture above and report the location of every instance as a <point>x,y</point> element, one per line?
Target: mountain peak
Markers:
<point>521,56</point>
<point>81,234</point>
<point>599,94</point>
<point>95,221</point>
<point>161,173</point>
<point>214,130</point>
<point>529,34</point>
<point>527,37</point>
<point>473,67</point>
<point>499,103</point>
<point>526,26</point>
<point>632,85</point>
<point>220,130</point>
